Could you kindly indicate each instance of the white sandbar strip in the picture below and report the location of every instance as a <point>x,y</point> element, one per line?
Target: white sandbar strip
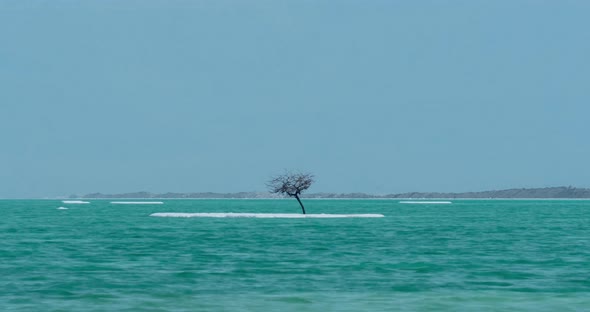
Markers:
<point>424,202</point>
<point>137,202</point>
<point>75,202</point>
<point>259,215</point>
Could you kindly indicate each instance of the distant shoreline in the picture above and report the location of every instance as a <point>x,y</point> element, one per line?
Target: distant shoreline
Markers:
<point>557,193</point>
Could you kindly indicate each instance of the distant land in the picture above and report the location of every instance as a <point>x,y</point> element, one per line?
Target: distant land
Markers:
<point>547,192</point>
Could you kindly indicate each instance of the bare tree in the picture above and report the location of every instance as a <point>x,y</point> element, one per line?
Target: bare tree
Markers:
<point>291,184</point>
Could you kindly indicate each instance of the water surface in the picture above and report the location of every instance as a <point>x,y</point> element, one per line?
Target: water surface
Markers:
<point>485,255</point>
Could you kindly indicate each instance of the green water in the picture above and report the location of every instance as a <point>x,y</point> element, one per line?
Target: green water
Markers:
<point>467,256</point>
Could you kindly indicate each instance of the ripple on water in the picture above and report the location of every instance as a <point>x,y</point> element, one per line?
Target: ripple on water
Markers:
<point>471,255</point>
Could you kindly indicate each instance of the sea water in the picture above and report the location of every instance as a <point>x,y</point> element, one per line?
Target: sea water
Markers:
<point>485,255</point>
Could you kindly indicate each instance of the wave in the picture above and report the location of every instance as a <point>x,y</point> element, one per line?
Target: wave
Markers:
<point>137,202</point>
<point>62,208</point>
<point>425,202</point>
<point>259,215</point>
<point>75,202</point>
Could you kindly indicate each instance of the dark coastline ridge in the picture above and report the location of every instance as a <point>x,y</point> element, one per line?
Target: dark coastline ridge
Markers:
<point>516,193</point>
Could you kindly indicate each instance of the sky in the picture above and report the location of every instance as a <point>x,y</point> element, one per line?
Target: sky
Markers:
<point>370,96</point>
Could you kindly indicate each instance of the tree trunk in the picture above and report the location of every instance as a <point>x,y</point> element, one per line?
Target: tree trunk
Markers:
<point>300,203</point>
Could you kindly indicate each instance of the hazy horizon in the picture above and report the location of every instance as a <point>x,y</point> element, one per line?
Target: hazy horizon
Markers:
<point>372,97</point>
<point>311,192</point>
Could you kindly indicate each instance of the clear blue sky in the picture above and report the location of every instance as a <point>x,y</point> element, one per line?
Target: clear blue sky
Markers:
<point>371,96</point>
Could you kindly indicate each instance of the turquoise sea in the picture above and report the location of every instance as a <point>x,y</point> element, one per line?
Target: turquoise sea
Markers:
<point>484,255</point>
